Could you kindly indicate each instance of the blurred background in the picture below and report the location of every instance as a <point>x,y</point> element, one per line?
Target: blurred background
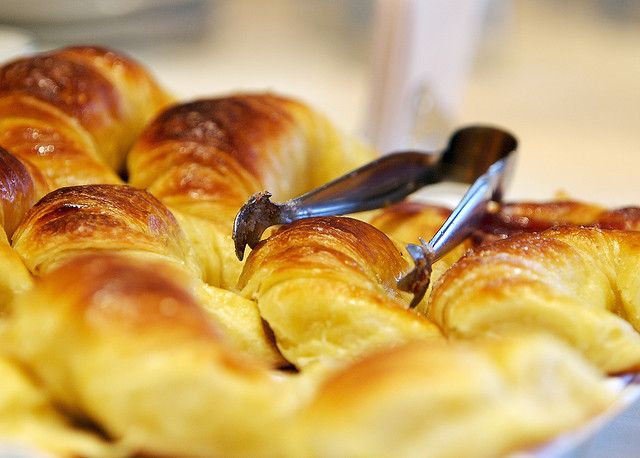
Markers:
<point>563,75</point>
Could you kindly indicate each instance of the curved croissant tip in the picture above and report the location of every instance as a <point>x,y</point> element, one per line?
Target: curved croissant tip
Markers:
<point>252,220</point>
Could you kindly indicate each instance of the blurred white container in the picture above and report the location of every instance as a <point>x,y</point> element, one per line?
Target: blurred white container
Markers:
<point>423,50</point>
<point>14,42</point>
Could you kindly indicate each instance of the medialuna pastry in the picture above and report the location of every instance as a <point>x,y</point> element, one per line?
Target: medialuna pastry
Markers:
<point>129,328</point>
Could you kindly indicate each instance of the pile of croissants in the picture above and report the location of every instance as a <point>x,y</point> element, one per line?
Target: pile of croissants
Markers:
<point>129,328</point>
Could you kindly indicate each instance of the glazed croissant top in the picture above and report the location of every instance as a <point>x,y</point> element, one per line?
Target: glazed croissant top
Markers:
<point>129,328</point>
<point>110,96</point>
<point>204,159</point>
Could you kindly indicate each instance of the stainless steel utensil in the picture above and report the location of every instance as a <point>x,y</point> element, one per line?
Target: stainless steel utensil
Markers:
<point>462,222</point>
<point>379,183</point>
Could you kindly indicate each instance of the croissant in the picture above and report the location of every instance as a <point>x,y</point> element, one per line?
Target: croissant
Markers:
<point>408,221</point>
<point>327,288</point>
<point>446,400</point>
<point>204,159</point>
<point>154,371</point>
<point>91,100</point>
<point>580,284</point>
<point>156,375</point>
<point>118,218</point>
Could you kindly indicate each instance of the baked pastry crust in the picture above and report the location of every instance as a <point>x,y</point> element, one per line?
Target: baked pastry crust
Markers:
<point>452,400</point>
<point>327,288</point>
<point>106,93</point>
<point>205,158</point>
<point>577,283</point>
<point>520,217</point>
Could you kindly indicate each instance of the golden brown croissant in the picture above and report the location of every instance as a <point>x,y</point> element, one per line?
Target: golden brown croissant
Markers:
<point>327,288</point>
<point>204,159</point>
<point>155,373</point>
<point>117,218</point>
<point>77,219</point>
<point>129,347</point>
<point>408,221</point>
<point>108,95</point>
<point>437,400</point>
<point>580,284</point>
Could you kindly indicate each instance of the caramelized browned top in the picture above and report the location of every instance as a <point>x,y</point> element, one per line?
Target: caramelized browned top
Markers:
<point>198,172</point>
<point>103,57</point>
<point>81,206</point>
<point>139,293</point>
<point>238,125</point>
<point>142,299</point>
<point>519,217</point>
<point>63,160</point>
<point>538,216</point>
<point>344,245</point>
<point>94,217</point>
<point>140,92</point>
<point>626,218</point>
<point>78,90</point>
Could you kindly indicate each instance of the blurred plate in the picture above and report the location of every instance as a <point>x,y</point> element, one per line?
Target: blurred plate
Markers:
<point>14,42</point>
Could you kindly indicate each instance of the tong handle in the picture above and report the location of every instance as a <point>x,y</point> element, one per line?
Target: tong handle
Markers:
<point>457,227</point>
<point>379,183</point>
<point>472,207</point>
<point>376,184</point>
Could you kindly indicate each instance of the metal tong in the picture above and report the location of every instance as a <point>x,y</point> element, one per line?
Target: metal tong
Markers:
<point>478,155</point>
